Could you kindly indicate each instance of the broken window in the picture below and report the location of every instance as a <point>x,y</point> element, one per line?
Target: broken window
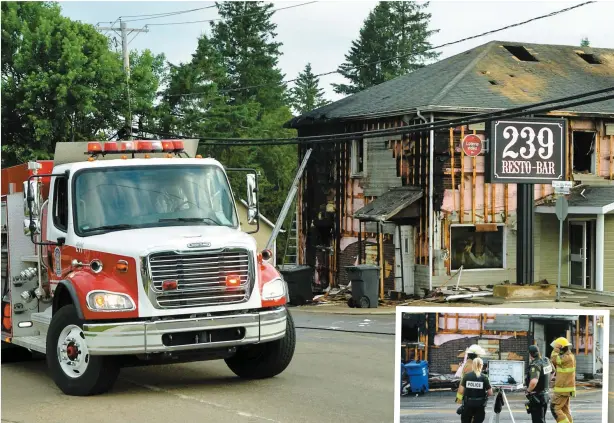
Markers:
<point>583,149</point>
<point>521,53</point>
<point>358,157</point>
<point>477,250</point>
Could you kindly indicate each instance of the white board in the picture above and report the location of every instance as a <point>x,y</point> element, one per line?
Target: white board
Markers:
<point>499,372</point>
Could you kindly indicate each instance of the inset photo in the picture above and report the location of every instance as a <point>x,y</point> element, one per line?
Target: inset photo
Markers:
<point>498,365</point>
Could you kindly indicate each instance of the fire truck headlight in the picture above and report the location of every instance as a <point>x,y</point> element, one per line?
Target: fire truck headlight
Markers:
<point>274,289</point>
<point>109,301</point>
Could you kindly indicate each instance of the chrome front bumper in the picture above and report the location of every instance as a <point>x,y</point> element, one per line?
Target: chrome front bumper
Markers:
<point>146,337</point>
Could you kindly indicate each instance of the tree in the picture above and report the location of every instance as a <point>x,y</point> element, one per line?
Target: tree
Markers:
<point>244,38</point>
<point>393,41</point>
<point>584,42</point>
<point>61,82</point>
<point>306,94</point>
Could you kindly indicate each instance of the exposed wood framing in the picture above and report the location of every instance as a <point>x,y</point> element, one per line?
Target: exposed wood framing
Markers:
<point>611,156</point>
<point>598,151</point>
<point>461,213</point>
<point>452,169</point>
<point>493,203</point>
<point>382,264</point>
<point>577,337</point>
<point>569,151</point>
<point>436,322</point>
<point>586,336</point>
<point>474,187</point>
<point>505,198</point>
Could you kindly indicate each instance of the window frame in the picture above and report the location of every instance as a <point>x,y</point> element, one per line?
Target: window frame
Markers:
<point>487,269</point>
<point>354,158</point>
<point>54,217</point>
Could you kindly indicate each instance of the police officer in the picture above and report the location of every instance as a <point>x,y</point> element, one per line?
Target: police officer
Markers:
<point>474,391</point>
<point>564,363</point>
<point>538,381</point>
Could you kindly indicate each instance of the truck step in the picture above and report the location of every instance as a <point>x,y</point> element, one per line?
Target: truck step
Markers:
<point>35,343</point>
<point>41,321</point>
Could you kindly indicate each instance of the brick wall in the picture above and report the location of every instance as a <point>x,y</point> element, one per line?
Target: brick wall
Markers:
<point>440,358</point>
<point>348,258</point>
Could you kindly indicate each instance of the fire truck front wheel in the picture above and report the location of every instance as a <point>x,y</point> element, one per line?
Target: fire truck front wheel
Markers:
<point>266,360</point>
<point>72,368</point>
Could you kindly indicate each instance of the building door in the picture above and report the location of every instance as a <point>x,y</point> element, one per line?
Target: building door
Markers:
<point>578,246</point>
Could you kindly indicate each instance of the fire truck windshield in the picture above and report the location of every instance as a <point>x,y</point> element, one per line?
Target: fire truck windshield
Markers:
<point>120,198</point>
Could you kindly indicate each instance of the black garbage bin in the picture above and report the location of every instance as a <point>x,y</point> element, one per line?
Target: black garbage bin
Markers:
<point>299,279</point>
<point>365,285</point>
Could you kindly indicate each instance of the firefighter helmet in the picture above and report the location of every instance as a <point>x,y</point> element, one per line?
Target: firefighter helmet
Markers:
<point>476,349</point>
<point>563,342</point>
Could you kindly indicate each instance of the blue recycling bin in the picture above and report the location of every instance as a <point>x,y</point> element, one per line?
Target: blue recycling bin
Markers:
<point>418,374</point>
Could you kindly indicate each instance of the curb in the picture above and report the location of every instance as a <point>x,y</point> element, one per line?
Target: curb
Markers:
<point>348,312</point>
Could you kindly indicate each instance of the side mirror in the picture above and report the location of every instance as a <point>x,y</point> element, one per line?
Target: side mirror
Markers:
<point>31,227</point>
<point>252,199</point>
<point>31,201</point>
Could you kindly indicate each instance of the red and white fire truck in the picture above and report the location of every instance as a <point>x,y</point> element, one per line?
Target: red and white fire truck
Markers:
<point>130,253</point>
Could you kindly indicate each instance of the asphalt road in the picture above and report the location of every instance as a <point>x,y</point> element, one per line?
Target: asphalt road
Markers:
<point>334,377</point>
<point>439,407</point>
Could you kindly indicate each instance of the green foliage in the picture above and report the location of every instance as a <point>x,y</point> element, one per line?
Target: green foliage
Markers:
<point>393,28</point>
<point>307,94</point>
<point>60,82</point>
<point>585,42</point>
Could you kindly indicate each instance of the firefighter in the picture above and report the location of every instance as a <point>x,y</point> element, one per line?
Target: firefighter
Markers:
<point>473,352</point>
<point>564,363</point>
<point>474,392</point>
<point>538,385</point>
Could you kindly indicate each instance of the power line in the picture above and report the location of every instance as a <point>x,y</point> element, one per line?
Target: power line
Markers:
<point>155,15</point>
<point>218,19</point>
<point>165,15</point>
<point>424,126</point>
<point>445,124</point>
<point>251,87</point>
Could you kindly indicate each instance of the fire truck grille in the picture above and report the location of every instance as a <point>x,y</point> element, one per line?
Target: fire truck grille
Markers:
<point>201,277</point>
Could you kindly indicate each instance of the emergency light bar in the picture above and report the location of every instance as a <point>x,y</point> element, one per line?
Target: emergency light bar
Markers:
<point>112,147</point>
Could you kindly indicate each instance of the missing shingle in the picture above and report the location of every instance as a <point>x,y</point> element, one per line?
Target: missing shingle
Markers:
<point>512,75</point>
<point>484,72</point>
<point>521,53</point>
<point>589,58</point>
<point>493,82</point>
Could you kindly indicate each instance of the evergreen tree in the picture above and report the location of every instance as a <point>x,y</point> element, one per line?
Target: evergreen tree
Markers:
<point>307,94</point>
<point>393,28</point>
<point>585,42</point>
<point>244,37</point>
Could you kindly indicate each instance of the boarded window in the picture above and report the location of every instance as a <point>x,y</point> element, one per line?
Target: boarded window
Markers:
<point>477,250</point>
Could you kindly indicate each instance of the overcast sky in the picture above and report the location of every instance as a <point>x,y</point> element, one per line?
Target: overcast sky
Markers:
<point>322,32</point>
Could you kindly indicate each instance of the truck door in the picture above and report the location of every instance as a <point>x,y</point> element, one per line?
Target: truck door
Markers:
<point>59,257</point>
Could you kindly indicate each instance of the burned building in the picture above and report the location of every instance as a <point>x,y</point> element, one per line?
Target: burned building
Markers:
<point>422,209</point>
<point>442,338</point>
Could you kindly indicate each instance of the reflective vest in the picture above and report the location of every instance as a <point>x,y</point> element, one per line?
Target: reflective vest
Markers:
<point>565,366</point>
<point>476,389</point>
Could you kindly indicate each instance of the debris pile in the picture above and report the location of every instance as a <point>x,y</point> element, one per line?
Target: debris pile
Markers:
<point>443,294</point>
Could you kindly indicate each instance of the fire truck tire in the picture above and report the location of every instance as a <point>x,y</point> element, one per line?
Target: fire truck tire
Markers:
<point>99,373</point>
<point>262,361</point>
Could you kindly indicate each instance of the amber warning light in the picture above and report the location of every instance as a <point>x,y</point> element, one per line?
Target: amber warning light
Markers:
<point>123,147</point>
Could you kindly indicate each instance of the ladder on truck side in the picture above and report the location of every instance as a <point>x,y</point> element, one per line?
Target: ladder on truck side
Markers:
<point>288,203</point>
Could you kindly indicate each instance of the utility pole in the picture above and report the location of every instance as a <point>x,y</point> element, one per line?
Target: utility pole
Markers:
<point>124,32</point>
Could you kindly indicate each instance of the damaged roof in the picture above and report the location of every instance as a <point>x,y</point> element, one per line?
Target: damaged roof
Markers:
<point>583,199</point>
<point>493,76</point>
<point>389,204</point>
